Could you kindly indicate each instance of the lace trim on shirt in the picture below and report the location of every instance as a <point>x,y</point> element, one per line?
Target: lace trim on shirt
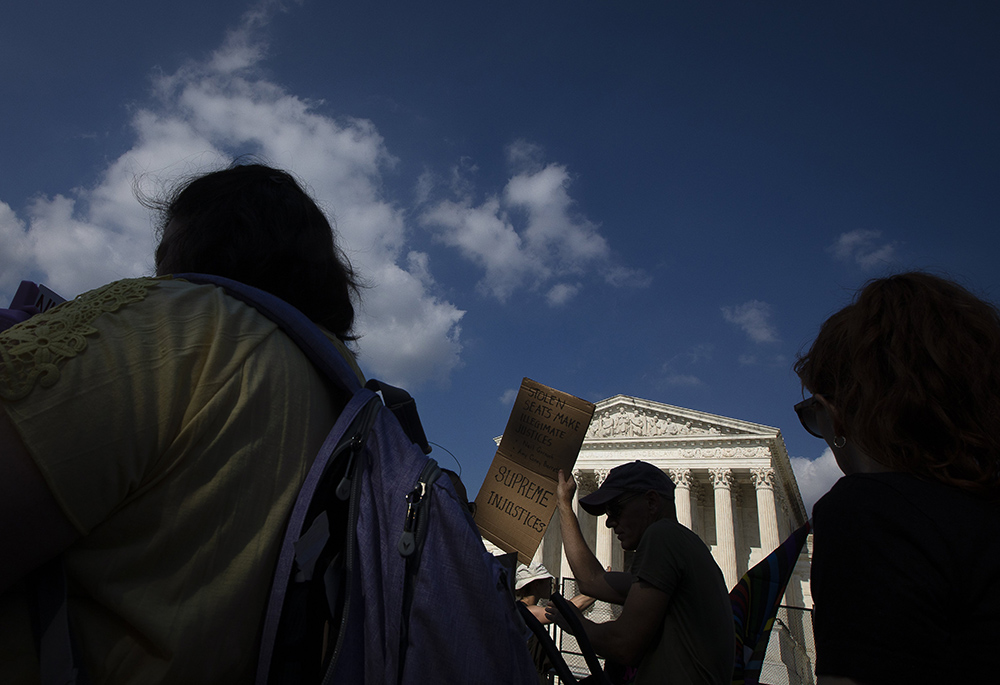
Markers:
<point>33,351</point>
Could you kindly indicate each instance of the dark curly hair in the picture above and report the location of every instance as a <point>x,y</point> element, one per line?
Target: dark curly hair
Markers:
<point>913,368</point>
<point>255,224</point>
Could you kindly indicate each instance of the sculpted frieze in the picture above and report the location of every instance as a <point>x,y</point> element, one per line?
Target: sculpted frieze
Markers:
<point>726,452</point>
<point>633,423</point>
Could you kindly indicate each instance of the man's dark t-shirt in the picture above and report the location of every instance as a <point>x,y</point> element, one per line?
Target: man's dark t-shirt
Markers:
<point>697,642</point>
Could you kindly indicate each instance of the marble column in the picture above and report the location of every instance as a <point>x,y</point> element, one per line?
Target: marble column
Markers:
<point>682,495</point>
<point>605,541</point>
<point>767,518</point>
<point>540,553</point>
<point>565,571</point>
<point>722,481</point>
<point>605,536</point>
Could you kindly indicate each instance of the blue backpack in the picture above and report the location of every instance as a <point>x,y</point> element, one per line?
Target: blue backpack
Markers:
<point>382,576</point>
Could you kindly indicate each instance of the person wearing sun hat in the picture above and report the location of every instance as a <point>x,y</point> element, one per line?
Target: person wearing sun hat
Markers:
<point>676,624</point>
<point>531,575</point>
<point>532,583</point>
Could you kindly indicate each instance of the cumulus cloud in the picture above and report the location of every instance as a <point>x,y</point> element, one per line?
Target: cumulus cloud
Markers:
<point>528,236</point>
<point>754,317</point>
<point>561,293</point>
<point>200,117</point>
<point>815,476</point>
<point>864,248</point>
<point>483,235</point>
<point>17,260</point>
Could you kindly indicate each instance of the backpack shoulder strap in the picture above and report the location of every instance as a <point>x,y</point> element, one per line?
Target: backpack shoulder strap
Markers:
<point>344,443</point>
<point>296,325</point>
<point>568,612</point>
<point>545,640</point>
<point>318,348</point>
<point>399,402</point>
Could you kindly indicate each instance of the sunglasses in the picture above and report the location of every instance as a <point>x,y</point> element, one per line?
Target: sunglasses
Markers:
<point>807,410</point>
<point>614,509</point>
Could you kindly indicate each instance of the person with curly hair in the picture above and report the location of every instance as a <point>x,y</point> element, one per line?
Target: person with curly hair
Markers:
<point>905,386</point>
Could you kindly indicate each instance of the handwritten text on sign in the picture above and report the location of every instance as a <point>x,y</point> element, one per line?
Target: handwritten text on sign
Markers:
<point>544,434</point>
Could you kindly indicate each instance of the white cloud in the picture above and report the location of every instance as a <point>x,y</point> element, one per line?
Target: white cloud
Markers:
<point>864,249</point>
<point>567,241</point>
<point>425,184</point>
<point>202,115</point>
<point>754,317</point>
<point>530,236</point>
<point>815,476</point>
<point>17,261</point>
<point>484,236</point>
<point>561,293</point>
<point>508,396</point>
<point>419,266</point>
<point>410,337</point>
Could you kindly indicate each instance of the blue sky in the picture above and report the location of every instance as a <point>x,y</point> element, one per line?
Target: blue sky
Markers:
<point>662,200</point>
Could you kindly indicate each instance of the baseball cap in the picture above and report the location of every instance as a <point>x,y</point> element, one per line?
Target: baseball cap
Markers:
<point>636,476</point>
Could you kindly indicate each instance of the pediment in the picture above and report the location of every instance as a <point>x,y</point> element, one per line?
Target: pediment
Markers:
<point>623,417</point>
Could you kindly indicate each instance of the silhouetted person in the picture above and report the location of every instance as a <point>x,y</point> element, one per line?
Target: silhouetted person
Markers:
<point>155,433</point>
<point>905,387</point>
<point>676,624</point>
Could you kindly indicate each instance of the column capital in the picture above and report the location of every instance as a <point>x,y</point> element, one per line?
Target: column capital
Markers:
<point>722,478</point>
<point>681,477</point>
<point>600,475</point>
<point>762,477</point>
<point>586,481</point>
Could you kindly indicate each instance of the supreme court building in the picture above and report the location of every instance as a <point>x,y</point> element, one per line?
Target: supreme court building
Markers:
<point>734,488</point>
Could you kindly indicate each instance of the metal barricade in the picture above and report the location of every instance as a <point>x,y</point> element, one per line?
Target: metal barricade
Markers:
<point>791,651</point>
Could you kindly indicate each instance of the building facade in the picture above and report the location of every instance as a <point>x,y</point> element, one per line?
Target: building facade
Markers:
<point>734,487</point>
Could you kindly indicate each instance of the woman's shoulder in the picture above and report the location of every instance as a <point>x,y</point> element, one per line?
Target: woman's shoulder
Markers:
<point>903,501</point>
<point>902,486</point>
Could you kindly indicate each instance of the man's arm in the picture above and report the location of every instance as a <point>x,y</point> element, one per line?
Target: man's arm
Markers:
<point>33,528</point>
<point>581,602</point>
<point>627,639</point>
<point>590,575</point>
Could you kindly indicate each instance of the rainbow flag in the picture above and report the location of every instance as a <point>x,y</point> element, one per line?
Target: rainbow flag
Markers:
<point>755,602</point>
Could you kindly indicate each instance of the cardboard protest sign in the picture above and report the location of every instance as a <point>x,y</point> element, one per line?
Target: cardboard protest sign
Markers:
<point>544,434</point>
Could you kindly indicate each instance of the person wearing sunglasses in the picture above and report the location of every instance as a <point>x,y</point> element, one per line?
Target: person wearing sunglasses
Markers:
<point>676,624</point>
<point>905,386</point>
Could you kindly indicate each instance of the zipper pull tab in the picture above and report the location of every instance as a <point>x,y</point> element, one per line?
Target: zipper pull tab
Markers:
<point>408,541</point>
<point>344,487</point>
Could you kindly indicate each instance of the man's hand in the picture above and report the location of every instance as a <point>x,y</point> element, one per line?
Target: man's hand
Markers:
<point>553,615</point>
<point>626,639</point>
<point>565,489</point>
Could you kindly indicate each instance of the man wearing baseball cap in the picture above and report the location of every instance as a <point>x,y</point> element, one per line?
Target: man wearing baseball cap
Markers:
<point>676,625</point>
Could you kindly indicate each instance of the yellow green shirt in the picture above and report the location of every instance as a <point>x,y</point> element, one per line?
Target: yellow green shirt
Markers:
<point>174,426</point>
